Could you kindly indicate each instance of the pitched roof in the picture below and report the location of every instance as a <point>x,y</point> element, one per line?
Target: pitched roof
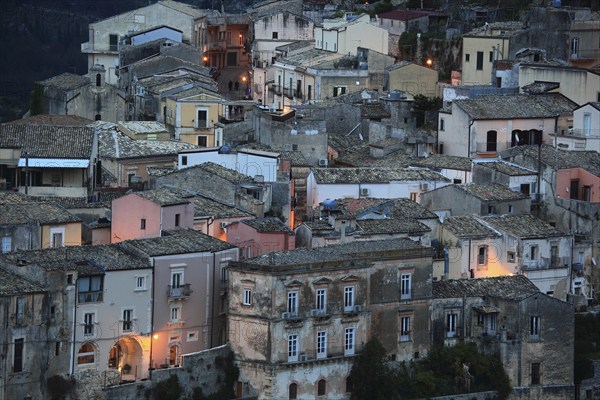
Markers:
<point>66,81</point>
<point>347,251</point>
<point>46,141</point>
<point>114,144</point>
<point>217,170</point>
<point>469,227</point>
<point>446,162</point>
<point>58,120</point>
<point>267,225</point>
<point>523,226</point>
<point>390,226</point>
<point>517,106</point>
<point>516,287</point>
<point>351,208</point>
<point>43,213</point>
<point>12,284</point>
<point>183,8</point>
<point>86,259</point>
<point>162,197</point>
<point>179,241</point>
<point>374,175</point>
<point>491,191</point>
<point>507,168</point>
<point>407,208</point>
<point>556,158</point>
<point>204,206</point>
<point>142,127</point>
<point>296,157</point>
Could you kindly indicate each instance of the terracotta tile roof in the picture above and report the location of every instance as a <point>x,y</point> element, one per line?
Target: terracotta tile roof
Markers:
<point>296,157</point>
<point>180,241</point>
<point>469,227</point>
<point>446,162</point>
<point>516,288</point>
<point>374,175</point>
<point>350,208</point>
<point>272,225</point>
<point>58,120</point>
<point>523,226</point>
<point>46,141</point>
<point>13,285</point>
<point>517,106</point>
<point>43,213</point>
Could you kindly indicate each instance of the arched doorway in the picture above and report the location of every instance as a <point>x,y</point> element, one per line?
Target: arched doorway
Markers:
<point>126,356</point>
<point>173,355</point>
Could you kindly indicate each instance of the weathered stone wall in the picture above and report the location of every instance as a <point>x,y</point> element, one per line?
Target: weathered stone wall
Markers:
<point>198,370</point>
<point>555,392</point>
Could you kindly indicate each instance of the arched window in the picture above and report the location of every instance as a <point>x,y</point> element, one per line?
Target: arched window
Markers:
<point>492,140</point>
<point>293,391</point>
<point>98,80</point>
<point>322,387</point>
<point>98,117</point>
<point>86,354</point>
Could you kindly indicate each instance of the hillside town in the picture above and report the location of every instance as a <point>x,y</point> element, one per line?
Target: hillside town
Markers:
<point>242,205</point>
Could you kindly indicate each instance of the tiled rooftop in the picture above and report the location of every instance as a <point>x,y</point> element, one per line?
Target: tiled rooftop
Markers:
<point>43,213</point>
<point>12,285</point>
<point>406,208</point>
<point>446,162</point>
<point>557,158</point>
<point>46,141</point>
<point>86,259</point>
<point>267,225</point>
<point>350,208</point>
<point>540,87</point>
<point>58,120</point>
<point>391,226</point>
<point>516,287</point>
<point>507,168</point>
<point>296,157</point>
<point>373,111</point>
<point>491,191</point>
<point>469,227</point>
<point>523,226</point>
<point>204,206</point>
<point>114,144</point>
<point>162,197</point>
<point>66,81</point>
<point>218,170</point>
<point>517,106</point>
<point>143,127</point>
<point>374,175</point>
<point>180,241</point>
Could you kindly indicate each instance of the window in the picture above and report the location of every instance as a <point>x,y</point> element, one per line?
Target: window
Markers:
<point>127,320</point>
<point>18,355</point>
<point>574,46</point>
<point>292,348</point>
<point>88,324</point>
<point>349,336</point>
<point>69,279</point>
<point>510,209</point>
<point>322,387</point>
<point>98,80</point>
<point>554,260</point>
<point>175,314</point>
<point>202,120</point>
<point>321,344</point>
<point>89,289</point>
<point>491,324</point>
<point>202,141</point>
<point>19,310</point>
<point>457,181</point>
<point>183,160</point>
<point>176,279</point>
<point>140,283</point>
<point>533,252</point>
<point>535,373</point>
<point>404,329</point>
<point>467,57</point>
<point>86,354</point>
<point>293,391</point>
<point>322,300</point>
<point>275,35</point>
<point>413,196</point>
<point>6,244</point>
<point>510,256</point>
<point>441,124</point>
<point>405,286</point>
<point>491,56</point>
<point>113,42</point>
<point>143,223</point>
<point>247,296</point>
<point>479,60</point>
<point>292,303</point>
<point>57,348</point>
<point>57,239</point>
<point>482,255</point>
<point>348,298</point>
<point>177,219</point>
<point>587,124</point>
<point>534,327</point>
<point>491,144</point>
<point>192,336</point>
<point>339,90</point>
<point>451,320</point>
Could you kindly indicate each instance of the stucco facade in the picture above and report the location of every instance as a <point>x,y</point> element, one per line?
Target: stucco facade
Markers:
<point>412,78</point>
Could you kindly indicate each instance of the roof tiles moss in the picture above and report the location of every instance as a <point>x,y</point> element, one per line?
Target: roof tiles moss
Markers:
<point>516,287</point>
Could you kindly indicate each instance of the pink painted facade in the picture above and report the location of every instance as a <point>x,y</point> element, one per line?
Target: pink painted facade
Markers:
<point>578,184</point>
<point>253,243</point>
<point>134,217</point>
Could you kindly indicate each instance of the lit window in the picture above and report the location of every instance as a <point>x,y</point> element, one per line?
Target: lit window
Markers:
<point>86,354</point>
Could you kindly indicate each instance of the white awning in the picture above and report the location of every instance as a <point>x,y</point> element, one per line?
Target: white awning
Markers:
<point>54,163</point>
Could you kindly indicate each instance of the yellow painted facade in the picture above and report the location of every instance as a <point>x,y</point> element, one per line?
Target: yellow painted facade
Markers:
<point>479,53</point>
<point>61,235</point>
<point>414,79</point>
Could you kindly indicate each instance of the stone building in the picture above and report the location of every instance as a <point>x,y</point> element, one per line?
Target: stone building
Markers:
<point>298,318</point>
<point>532,332</point>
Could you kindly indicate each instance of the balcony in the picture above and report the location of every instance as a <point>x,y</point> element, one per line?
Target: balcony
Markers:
<point>332,354</point>
<point>179,292</point>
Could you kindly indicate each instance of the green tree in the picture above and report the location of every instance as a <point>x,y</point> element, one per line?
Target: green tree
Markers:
<point>169,389</point>
<point>371,376</point>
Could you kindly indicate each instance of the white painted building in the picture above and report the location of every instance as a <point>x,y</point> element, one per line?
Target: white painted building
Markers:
<point>584,134</point>
<point>382,183</point>
<point>344,37</point>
